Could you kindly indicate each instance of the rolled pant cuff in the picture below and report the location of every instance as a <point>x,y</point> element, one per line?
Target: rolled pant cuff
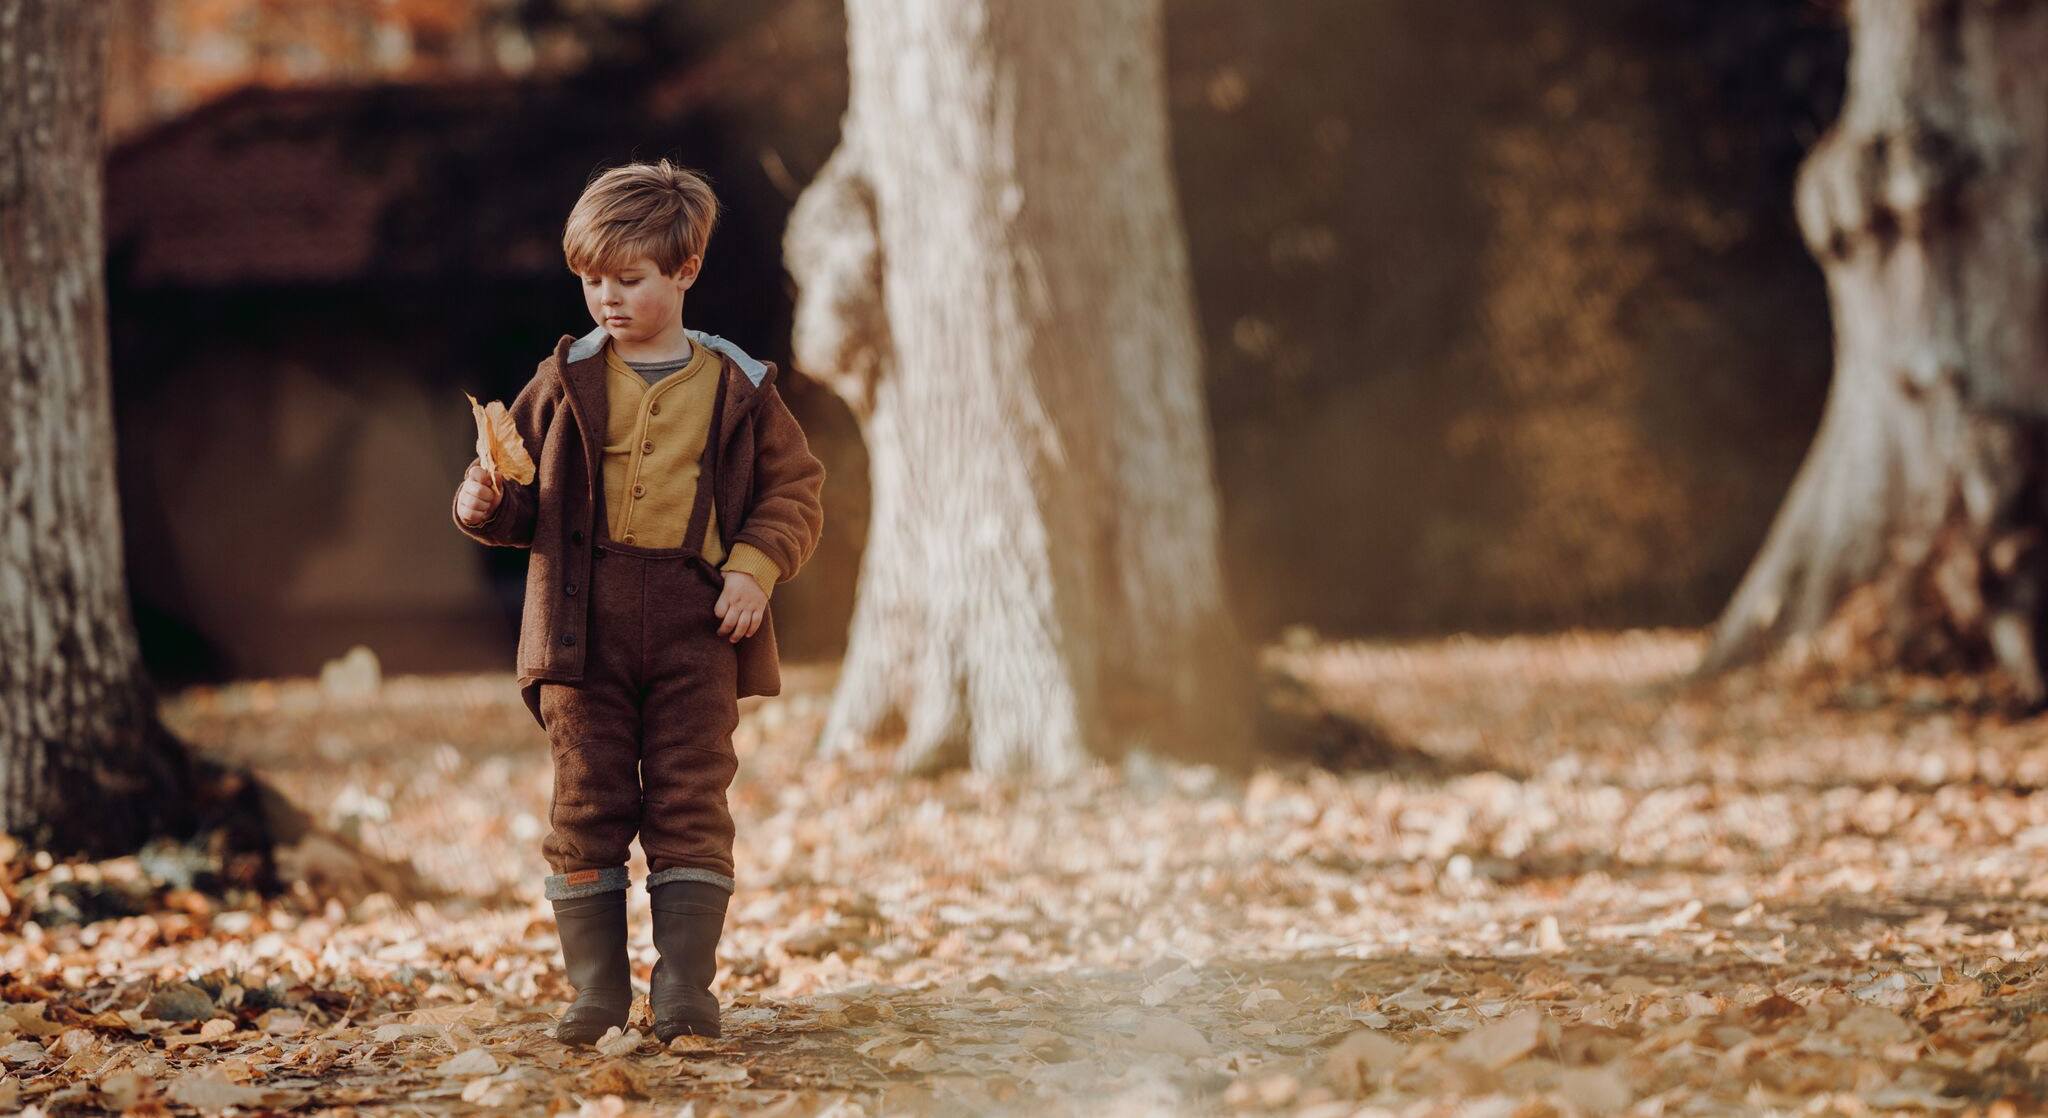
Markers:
<point>587,883</point>
<point>689,873</point>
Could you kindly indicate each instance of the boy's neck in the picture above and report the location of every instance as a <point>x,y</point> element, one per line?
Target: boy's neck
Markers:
<point>671,344</point>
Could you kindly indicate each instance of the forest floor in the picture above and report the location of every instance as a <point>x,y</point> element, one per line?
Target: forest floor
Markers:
<point>1587,887</point>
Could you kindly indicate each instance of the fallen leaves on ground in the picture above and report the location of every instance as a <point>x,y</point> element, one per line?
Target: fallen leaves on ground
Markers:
<point>1605,894</point>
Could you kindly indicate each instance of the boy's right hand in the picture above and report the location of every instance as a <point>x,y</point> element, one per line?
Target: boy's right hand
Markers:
<point>478,497</point>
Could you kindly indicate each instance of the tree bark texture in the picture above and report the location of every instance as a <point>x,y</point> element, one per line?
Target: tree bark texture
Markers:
<point>1914,528</point>
<point>85,765</point>
<point>993,274</point>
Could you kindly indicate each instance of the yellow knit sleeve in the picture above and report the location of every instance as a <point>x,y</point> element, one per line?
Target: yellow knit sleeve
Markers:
<point>752,560</point>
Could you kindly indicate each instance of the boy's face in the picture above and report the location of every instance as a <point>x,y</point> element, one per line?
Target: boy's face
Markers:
<point>637,302</point>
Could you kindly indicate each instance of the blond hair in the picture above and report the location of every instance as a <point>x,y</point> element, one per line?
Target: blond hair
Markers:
<point>658,210</point>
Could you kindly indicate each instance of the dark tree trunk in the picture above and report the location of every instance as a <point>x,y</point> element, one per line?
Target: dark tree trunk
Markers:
<point>994,275</point>
<point>1914,529</point>
<point>86,767</point>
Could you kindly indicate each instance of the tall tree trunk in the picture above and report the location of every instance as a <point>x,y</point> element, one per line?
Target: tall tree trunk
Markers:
<point>85,765</point>
<point>993,273</point>
<point>1914,528</point>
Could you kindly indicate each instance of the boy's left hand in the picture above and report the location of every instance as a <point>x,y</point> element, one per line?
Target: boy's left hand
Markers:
<point>742,604</point>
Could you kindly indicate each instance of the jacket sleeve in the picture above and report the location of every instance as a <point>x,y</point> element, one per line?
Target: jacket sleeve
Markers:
<point>788,516</point>
<point>511,523</point>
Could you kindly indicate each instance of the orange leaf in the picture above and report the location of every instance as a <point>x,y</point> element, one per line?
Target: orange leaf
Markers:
<point>498,445</point>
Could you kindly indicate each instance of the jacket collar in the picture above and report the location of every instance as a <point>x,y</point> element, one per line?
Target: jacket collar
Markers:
<point>581,363</point>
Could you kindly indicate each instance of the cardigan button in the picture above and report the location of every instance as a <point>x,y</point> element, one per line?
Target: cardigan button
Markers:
<point>646,445</point>
<point>639,491</point>
<point>654,408</point>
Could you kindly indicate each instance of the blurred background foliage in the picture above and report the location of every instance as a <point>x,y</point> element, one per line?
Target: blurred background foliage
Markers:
<point>1508,322</point>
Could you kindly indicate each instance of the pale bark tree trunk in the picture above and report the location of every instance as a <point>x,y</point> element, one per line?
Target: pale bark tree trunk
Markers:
<point>1914,529</point>
<point>85,765</point>
<point>993,274</point>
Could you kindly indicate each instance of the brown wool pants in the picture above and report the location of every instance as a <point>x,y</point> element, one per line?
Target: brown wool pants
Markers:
<point>643,743</point>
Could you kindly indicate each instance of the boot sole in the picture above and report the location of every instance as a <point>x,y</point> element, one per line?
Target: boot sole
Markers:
<point>582,1036</point>
<point>704,1030</point>
<point>586,1032</point>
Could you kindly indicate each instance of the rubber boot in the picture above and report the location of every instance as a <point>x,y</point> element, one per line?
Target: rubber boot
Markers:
<point>689,916</point>
<point>593,931</point>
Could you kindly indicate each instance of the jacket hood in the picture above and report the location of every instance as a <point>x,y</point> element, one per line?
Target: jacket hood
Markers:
<point>755,371</point>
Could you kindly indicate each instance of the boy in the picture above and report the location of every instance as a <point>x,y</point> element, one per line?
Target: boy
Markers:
<point>673,490</point>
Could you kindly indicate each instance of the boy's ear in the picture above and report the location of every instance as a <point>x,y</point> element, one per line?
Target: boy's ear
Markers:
<point>690,269</point>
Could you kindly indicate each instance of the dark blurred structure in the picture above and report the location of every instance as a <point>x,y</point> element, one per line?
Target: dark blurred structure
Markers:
<point>304,282</point>
<point>1508,322</point>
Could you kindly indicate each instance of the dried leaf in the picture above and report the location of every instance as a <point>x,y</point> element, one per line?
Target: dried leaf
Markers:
<point>617,1077</point>
<point>1169,986</point>
<point>1359,1059</point>
<point>281,1022</point>
<point>209,1091</point>
<point>1497,1045</point>
<point>469,1062</point>
<point>818,939</point>
<point>1602,1090</point>
<point>498,446</point>
<point>472,1014</point>
<point>916,1057</point>
<point>1872,1027</point>
<point>121,1090</point>
<point>24,1053</point>
<point>1171,1035</point>
<point>29,1019</point>
<point>716,1073</point>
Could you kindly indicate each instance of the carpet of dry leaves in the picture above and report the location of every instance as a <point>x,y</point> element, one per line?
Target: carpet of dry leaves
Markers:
<point>1587,888</point>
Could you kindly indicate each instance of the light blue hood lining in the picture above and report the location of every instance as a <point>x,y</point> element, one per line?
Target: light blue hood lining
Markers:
<point>590,343</point>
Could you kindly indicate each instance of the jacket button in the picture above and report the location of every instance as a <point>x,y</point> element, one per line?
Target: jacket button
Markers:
<point>568,638</point>
<point>575,535</point>
<point>646,445</point>
<point>570,589</point>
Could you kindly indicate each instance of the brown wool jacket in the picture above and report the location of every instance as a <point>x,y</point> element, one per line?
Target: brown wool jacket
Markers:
<point>766,493</point>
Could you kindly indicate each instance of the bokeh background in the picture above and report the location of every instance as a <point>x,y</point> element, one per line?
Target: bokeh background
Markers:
<point>1508,324</point>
